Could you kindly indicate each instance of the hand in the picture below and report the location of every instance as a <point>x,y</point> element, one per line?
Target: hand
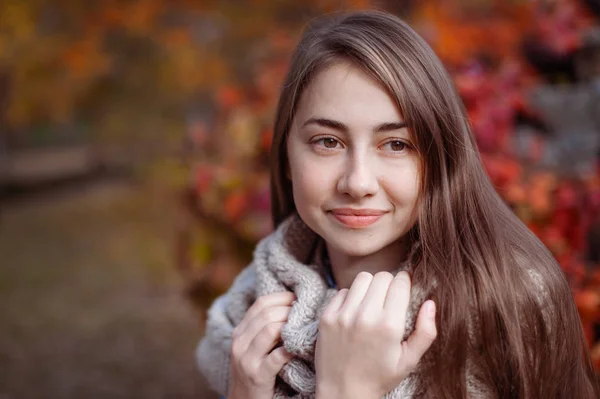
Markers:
<point>360,352</point>
<point>254,362</point>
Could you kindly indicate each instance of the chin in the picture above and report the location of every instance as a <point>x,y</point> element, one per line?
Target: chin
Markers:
<point>362,247</point>
<point>357,252</point>
<point>352,242</point>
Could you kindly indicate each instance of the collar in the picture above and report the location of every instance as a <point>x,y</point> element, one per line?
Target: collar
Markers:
<point>323,260</point>
<point>327,269</point>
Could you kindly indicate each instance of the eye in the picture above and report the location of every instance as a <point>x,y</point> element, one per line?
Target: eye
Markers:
<point>396,145</point>
<point>327,142</point>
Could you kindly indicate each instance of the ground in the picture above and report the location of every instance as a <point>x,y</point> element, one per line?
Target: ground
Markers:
<point>90,304</point>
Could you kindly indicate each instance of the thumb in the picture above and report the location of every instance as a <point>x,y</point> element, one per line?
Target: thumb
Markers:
<point>421,338</point>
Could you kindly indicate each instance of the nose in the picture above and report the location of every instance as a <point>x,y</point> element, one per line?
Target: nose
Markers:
<point>359,178</point>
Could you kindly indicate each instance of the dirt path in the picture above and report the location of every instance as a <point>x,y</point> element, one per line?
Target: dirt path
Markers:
<point>89,304</point>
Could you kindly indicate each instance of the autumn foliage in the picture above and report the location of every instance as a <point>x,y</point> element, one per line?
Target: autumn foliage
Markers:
<point>482,47</point>
<point>201,80</point>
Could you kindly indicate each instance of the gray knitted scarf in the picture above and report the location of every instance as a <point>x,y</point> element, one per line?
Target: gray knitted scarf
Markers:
<point>286,260</point>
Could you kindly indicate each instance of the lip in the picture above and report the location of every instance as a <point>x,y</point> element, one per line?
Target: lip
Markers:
<point>357,218</point>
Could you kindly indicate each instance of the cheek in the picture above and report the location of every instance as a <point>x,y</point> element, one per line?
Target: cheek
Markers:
<point>313,178</point>
<point>307,181</point>
<point>403,186</point>
<point>310,185</point>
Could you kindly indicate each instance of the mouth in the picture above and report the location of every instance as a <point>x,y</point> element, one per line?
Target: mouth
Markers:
<point>357,218</point>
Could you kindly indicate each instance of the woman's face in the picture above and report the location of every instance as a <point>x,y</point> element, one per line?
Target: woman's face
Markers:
<point>354,170</point>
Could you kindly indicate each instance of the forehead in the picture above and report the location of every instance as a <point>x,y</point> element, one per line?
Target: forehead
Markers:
<point>346,93</point>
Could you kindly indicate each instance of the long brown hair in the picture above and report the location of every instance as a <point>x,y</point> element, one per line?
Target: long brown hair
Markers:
<point>491,271</point>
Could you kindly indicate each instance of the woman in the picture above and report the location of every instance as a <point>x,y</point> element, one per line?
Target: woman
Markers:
<point>387,227</point>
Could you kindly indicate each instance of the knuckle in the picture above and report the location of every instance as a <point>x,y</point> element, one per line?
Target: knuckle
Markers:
<point>429,333</point>
<point>277,355</point>
<point>269,314</point>
<point>327,320</point>
<point>261,302</point>
<point>272,330</point>
<point>236,333</point>
<point>236,350</point>
<point>345,321</point>
<point>248,365</point>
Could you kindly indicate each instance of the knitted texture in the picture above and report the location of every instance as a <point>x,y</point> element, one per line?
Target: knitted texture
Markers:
<point>285,261</point>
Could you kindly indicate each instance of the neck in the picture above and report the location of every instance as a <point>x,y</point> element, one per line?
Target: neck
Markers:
<point>345,267</point>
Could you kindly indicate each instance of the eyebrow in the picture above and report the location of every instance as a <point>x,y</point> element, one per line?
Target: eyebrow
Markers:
<point>383,127</point>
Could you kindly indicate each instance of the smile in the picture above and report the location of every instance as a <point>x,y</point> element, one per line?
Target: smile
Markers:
<point>357,218</point>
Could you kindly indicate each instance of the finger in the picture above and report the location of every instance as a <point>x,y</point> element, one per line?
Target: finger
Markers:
<point>276,360</point>
<point>357,292</point>
<point>272,300</point>
<point>267,301</point>
<point>375,297</point>
<point>422,337</point>
<point>267,316</point>
<point>265,340</point>
<point>336,302</point>
<point>398,297</point>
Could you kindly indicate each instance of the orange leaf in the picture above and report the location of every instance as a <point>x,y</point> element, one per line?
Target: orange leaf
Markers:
<point>235,205</point>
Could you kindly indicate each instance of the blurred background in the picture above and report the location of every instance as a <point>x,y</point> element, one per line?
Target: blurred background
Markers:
<point>134,140</point>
